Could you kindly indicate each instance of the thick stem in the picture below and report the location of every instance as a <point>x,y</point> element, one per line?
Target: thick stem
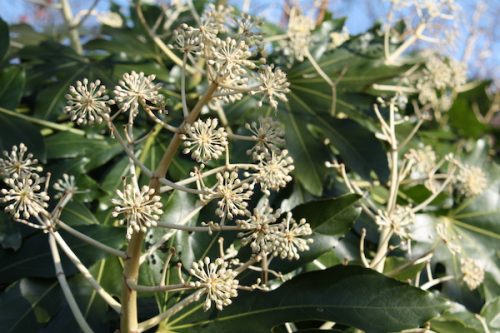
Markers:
<point>129,322</point>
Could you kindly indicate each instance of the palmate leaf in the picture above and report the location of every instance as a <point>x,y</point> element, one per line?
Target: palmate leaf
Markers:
<point>310,105</point>
<point>350,295</point>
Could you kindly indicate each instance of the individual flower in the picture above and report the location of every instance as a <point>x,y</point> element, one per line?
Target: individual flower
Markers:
<point>18,164</point>
<point>299,34</point>
<point>273,170</point>
<point>473,273</point>
<point>260,229</point>
<point>66,184</point>
<point>399,221</point>
<point>136,89</point>
<point>269,135</point>
<point>217,280</point>
<point>230,58</point>
<point>289,241</point>
<point>232,193</point>
<point>24,196</point>
<point>87,103</point>
<point>274,85</point>
<point>140,208</point>
<point>204,140</point>
<point>471,180</point>
<point>423,159</point>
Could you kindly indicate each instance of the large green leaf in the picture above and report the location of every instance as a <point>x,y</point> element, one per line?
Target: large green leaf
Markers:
<point>12,81</point>
<point>350,295</point>
<point>34,258</point>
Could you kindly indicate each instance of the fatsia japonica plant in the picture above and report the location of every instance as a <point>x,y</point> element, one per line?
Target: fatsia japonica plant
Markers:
<point>194,168</point>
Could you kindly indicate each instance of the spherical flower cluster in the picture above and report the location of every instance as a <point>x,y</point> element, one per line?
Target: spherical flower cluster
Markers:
<point>471,180</point>
<point>204,140</point>
<point>232,193</point>
<point>87,103</point>
<point>473,273</point>
<point>136,89</point>
<point>299,34</point>
<point>25,196</point>
<point>230,58</point>
<point>423,160</point>
<point>284,239</point>
<point>289,241</point>
<point>274,85</point>
<point>140,208</point>
<point>399,221</point>
<point>18,164</point>
<point>188,40</point>
<point>273,170</point>
<point>217,280</point>
<point>66,184</point>
<point>260,229</point>
<point>269,135</point>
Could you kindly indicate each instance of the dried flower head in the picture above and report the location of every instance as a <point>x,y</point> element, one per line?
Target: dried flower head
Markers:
<point>473,273</point>
<point>18,164</point>
<point>217,280</point>
<point>299,34</point>
<point>289,241</point>
<point>399,221</point>
<point>232,193</point>
<point>471,180</point>
<point>204,140</point>
<point>269,134</point>
<point>274,85</point>
<point>87,103</point>
<point>136,89</point>
<point>140,209</point>
<point>273,170</point>
<point>25,196</point>
<point>261,229</point>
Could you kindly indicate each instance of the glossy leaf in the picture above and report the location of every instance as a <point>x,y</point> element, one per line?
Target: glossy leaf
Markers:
<point>349,295</point>
<point>15,131</point>
<point>12,81</point>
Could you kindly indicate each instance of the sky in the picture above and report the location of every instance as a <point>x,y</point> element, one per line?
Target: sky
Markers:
<point>361,14</point>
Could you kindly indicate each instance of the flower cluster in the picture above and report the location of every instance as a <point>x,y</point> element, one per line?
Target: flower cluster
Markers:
<point>18,164</point>
<point>339,38</point>
<point>136,89</point>
<point>299,34</point>
<point>87,103</point>
<point>217,281</point>
<point>473,273</point>
<point>399,220</point>
<point>204,140</point>
<point>139,209</point>
<point>265,235</point>
<point>471,181</point>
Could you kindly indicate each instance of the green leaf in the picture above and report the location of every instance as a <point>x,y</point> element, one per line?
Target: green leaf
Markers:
<point>491,313</point>
<point>15,131</point>
<point>34,258</point>
<point>12,81</point>
<point>349,295</point>
<point>333,216</point>
<point>76,213</point>
<point>10,235</point>
<point>4,39</point>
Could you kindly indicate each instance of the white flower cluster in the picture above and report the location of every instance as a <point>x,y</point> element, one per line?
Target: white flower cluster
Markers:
<point>204,140</point>
<point>88,103</point>
<point>473,273</point>
<point>228,42</point>
<point>471,180</point>
<point>440,78</point>
<point>399,221</point>
<point>26,193</point>
<point>299,34</point>
<point>282,239</point>
<point>217,281</point>
<point>139,209</point>
<point>339,38</point>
